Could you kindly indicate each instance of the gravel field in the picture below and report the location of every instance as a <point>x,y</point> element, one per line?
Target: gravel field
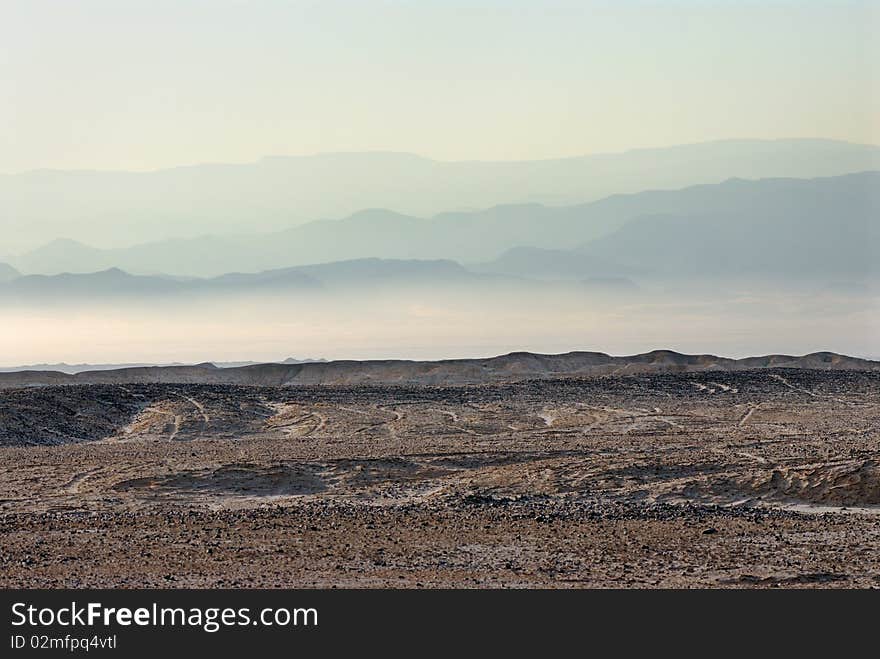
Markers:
<point>765,478</point>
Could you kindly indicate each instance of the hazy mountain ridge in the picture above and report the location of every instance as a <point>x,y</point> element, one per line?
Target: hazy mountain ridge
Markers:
<point>835,221</point>
<point>115,208</point>
<point>378,233</point>
<point>505,368</point>
<point>824,229</point>
<point>339,275</point>
<point>732,228</point>
<point>790,228</point>
<point>73,369</point>
<point>110,282</point>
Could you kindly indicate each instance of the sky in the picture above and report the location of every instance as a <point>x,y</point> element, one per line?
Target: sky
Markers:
<point>140,85</point>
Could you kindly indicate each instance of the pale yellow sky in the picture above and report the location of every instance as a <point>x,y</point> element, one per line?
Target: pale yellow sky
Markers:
<point>123,84</point>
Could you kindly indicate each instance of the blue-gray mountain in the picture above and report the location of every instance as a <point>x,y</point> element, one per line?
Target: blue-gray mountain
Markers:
<point>788,227</point>
<point>121,208</point>
<point>817,228</point>
<point>116,284</point>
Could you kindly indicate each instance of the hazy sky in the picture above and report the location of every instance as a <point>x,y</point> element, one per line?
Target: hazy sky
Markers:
<point>145,84</point>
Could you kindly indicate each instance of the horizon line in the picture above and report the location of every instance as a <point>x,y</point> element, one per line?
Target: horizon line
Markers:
<point>318,154</point>
<point>122,366</point>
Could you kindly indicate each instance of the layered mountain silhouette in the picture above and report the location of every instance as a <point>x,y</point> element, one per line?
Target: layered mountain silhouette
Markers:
<point>111,282</point>
<point>327,277</point>
<point>465,236</point>
<point>507,368</point>
<point>72,369</point>
<point>121,208</point>
<point>791,228</point>
<point>783,226</point>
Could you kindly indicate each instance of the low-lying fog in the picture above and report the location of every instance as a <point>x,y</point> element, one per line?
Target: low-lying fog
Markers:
<point>430,322</point>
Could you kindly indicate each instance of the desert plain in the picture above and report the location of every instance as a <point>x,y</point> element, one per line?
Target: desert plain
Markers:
<point>666,477</point>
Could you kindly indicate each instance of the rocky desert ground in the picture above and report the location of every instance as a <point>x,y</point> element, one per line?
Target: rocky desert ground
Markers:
<point>724,478</point>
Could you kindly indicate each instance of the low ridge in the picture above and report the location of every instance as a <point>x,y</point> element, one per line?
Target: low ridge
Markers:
<point>505,368</point>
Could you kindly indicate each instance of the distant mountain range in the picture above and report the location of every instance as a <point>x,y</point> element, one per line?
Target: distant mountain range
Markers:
<point>825,229</point>
<point>782,226</point>
<point>111,209</point>
<point>506,368</point>
<point>790,228</point>
<point>116,284</point>
<point>809,229</point>
<point>465,236</point>
<point>72,369</point>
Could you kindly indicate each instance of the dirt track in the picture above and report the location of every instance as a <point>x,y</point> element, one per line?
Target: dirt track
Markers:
<point>698,479</point>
